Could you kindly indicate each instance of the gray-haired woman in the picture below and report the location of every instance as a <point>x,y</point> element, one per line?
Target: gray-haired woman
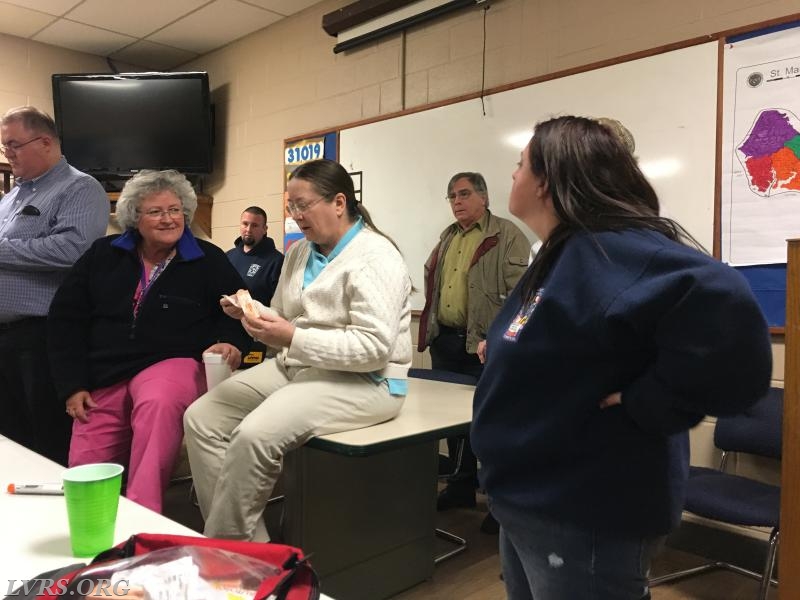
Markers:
<point>127,329</point>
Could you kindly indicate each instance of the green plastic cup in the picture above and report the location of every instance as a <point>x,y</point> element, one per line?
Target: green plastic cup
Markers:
<point>92,495</point>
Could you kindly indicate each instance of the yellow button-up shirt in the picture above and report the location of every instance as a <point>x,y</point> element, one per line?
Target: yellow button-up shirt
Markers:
<point>453,291</point>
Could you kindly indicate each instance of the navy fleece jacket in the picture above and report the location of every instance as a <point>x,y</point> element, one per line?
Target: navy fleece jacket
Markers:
<point>260,268</point>
<point>678,333</point>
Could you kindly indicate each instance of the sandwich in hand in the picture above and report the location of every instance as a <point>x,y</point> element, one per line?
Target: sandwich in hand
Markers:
<point>250,306</point>
<point>247,304</point>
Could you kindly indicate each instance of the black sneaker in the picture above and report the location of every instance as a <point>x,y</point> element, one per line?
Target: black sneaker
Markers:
<point>455,497</point>
<point>490,525</point>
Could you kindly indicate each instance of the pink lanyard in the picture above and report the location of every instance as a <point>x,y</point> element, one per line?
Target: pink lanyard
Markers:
<point>145,283</point>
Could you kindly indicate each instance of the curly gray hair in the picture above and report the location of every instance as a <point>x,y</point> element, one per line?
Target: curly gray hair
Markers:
<point>146,183</point>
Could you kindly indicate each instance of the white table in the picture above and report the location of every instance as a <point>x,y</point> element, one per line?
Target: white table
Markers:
<point>432,410</point>
<point>34,529</point>
<point>363,502</point>
<point>34,532</point>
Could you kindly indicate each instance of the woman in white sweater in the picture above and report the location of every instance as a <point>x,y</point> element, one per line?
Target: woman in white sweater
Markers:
<point>342,327</point>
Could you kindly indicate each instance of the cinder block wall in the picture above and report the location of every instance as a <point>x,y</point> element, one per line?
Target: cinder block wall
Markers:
<point>26,67</point>
<point>285,80</point>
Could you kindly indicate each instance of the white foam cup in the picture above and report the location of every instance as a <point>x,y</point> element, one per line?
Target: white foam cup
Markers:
<point>217,370</point>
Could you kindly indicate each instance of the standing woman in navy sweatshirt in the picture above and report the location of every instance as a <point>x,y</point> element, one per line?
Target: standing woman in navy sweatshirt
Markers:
<point>619,338</point>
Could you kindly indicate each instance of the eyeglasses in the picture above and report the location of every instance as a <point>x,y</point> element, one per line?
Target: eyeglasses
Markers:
<point>15,147</point>
<point>460,194</point>
<point>299,208</point>
<point>156,213</point>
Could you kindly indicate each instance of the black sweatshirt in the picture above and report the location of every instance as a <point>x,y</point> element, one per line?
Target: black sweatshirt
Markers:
<point>95,341</point>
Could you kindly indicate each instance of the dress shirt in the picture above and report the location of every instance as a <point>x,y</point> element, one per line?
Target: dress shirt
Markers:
<point>36,250</point>
<point>453,295</point>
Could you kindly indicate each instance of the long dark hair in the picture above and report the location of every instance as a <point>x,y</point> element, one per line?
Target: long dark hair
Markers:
<point>596,185</point>
<point>330,178</point>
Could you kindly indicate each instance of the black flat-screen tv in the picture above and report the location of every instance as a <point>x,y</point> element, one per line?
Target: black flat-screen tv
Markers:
<point>118,124</point>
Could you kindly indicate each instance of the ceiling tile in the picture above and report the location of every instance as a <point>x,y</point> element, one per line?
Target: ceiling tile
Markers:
<point>132,17</point>
<point>105,27</point>
<point>82,38</point>
<point>51,7</point>
<point>21,22</point>
<point>153,56</point>
<point>283,7</point>
<point>214,25</point>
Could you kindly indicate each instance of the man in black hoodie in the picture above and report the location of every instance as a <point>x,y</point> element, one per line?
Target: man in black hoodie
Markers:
<point>259,263</point>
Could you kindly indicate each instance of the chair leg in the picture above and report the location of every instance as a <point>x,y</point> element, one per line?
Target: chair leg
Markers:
<point>458,459</point>
<point>772,550</point>
<point>460,543</point>
<point>764,579</point>
<point>685,573</point>
<point>459,456</point>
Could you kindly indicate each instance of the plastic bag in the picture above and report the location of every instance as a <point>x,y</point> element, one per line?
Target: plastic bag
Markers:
<point>178,573</point>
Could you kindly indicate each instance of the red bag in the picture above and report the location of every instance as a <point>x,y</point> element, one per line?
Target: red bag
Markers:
<point>285,573</point>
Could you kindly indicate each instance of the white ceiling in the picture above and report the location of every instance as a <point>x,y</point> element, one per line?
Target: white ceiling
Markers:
<point>153,34</point>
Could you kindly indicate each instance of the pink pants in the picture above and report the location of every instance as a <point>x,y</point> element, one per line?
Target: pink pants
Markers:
<point>139,422</point>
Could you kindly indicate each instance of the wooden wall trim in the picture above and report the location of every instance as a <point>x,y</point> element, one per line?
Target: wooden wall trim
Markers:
<point>717,248</point>
<point>789,553</point>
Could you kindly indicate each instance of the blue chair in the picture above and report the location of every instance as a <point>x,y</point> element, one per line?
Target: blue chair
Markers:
<point>715,494</point>
<point>441,375</point>
<point>448,377</point>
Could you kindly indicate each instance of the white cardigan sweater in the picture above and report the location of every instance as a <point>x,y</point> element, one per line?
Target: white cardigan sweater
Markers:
<point>355,316</point>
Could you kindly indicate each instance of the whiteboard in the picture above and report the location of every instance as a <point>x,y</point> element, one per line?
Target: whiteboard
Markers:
<point>668,101</point>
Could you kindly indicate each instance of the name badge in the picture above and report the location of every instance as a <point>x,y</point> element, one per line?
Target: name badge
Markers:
<point>523,316</point>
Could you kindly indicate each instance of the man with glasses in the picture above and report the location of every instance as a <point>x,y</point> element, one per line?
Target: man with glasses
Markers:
<point>476,263</point>
<point>259,263</point>
<point>50,217</point>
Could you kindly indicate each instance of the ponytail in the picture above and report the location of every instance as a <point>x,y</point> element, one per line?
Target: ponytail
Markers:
<point>359,210</point>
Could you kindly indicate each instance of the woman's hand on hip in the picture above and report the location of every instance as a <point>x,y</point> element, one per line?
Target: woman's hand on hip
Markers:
<point>230,353</point>
<point>270,329</point>
<point>78,405</point>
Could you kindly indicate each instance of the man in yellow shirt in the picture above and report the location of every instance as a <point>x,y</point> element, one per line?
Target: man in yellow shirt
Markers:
<point>478,260</point>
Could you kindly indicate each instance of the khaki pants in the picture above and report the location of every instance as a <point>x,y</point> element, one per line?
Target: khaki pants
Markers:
<point>238,433</point>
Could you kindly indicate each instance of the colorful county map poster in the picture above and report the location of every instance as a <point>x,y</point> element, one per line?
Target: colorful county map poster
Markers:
<point>760,186</point>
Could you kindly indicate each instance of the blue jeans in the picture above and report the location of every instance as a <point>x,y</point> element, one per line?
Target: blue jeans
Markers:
<point>543,559</point>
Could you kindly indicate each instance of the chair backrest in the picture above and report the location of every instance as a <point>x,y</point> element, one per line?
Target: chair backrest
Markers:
<point>756,431</point>
<point>440,375</point>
